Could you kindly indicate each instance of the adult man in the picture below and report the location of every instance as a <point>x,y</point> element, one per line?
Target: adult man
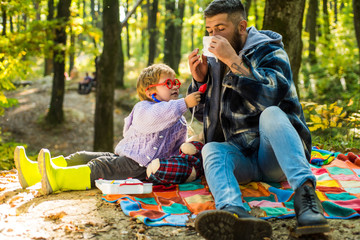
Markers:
<point>253,125</point>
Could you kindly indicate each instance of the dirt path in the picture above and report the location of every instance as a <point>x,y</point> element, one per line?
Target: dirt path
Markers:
<point>25,121</point>
<point>27,214</point>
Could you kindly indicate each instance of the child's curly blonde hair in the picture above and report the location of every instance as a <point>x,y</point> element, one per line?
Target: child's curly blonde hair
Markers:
<point>151,75</point>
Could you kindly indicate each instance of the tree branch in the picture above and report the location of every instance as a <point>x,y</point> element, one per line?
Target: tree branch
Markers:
<point>123,23</point>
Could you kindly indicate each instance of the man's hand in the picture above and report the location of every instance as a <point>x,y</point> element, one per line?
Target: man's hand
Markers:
<point>223,50</point>
<point>193,99</point>
<point>198,68</point>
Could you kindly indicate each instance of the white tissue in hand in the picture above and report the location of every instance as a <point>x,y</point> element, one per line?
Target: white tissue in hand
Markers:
<point>206,43</point>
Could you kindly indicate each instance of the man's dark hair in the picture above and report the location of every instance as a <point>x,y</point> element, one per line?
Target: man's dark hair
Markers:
<point>234,8</point>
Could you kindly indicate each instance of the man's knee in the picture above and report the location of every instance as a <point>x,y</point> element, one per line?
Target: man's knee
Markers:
<point>272,117</point>
<point>270,112</point>
<point>210,148</point>
<point>208,153</point>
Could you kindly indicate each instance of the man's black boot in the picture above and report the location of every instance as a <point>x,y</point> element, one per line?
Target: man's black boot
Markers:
<point>231,223</point>
<point>309,212</point>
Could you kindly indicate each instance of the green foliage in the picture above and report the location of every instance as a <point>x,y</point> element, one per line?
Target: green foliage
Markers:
<point>7,69</point>
<point>333,125</point>
<point>336,72</point>
<point>325,116</point>
<point>7,155</point>
<point>331,85</point>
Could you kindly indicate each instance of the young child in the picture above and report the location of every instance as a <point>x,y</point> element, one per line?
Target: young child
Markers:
<point>155,129</point>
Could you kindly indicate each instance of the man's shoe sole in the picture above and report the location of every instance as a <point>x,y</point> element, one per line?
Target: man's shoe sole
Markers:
<point>19,151</point>
<point>217,224</point>
<point>306,230</point>
<point>45,169</point>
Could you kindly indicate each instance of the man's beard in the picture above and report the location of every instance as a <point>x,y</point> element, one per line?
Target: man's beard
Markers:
<point>236,41</point>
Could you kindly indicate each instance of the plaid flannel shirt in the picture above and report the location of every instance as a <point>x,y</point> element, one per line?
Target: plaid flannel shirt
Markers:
<point>235,102</point>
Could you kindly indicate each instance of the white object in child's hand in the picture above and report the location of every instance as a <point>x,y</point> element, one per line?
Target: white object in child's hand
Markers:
<point>128,186</point>
<point>206,43</point>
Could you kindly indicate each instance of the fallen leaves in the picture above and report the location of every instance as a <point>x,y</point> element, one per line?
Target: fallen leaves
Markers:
<point>9,181</point>
<point>56,216</point>
<point>257,212</point>
<point>140,236</point>
<point>92,194</point>
<point>69,228</point>
<point>106,228</point>
<point>22,198</point>
<point>12,196</point>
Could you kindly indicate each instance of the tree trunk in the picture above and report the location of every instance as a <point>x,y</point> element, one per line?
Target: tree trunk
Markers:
<point>127,32</point>
<point>255,6</point>
<point>285,17</point>
<point>312,13</point>
<point>82,15</point>
<point>11,24</point>
<point>169,40</point>
<point>335,11</point>
<point>84,9</point>
<point>356,10</point>
<point>18,23</point>
<point>25,21</point>
<point>121,63</point>
<point>56,114</point>
<point>99,23</point>
<point>49,52</point>
<point>104,122</point>
<point>326,24</point>
<point>172,29</point>
<point>3,9</point>
<point>37,10</point>
<point>120,68</point>
<point>25,18</point>
<point>72,51</point>
<point>142,18</point>
<point>92,13</point>
<point>247,5</point>
<point>178,36</point>
<point>192,12</point>
<point>94,18</point>
<point>153,31</point>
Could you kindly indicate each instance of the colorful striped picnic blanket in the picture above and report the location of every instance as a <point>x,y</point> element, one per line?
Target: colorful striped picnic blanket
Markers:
<point>338,188</point>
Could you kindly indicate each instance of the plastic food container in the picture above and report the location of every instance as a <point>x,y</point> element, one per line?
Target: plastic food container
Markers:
<point>128,186</point>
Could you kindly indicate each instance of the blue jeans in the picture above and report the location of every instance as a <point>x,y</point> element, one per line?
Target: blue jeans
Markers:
<point>280,156</point>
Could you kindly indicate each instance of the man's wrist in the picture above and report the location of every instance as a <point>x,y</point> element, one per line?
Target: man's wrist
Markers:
<point>240,68</point>
<point>233,60</point>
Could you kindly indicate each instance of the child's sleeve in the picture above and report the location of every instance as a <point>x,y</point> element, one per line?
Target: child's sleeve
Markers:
<point>127,122</point>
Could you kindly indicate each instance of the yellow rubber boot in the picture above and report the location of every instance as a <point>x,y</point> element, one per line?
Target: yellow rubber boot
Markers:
<point>28,170</point>
<point>55,178</point>
<point>59,161</point>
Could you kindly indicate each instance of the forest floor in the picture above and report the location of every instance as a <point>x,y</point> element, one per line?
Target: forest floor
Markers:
<point>28,214</point>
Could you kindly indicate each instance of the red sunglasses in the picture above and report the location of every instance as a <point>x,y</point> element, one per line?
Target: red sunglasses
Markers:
<point>168,83</point>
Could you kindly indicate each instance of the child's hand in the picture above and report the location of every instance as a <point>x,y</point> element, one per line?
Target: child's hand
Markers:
<point>193,99</point>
